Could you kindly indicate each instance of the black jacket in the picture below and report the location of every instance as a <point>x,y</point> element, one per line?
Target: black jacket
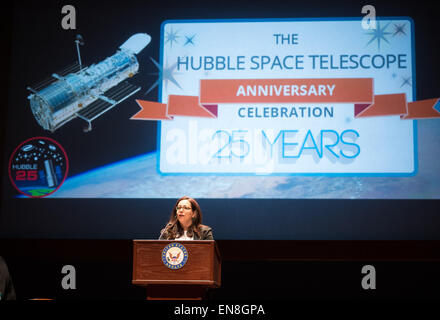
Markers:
<point>7,291</point>
<point>205,234</point>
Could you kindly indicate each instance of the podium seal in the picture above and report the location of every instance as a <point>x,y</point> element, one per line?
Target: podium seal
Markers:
<point>174,256</point>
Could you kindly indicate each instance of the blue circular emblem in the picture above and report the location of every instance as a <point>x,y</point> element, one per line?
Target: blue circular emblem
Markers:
<point>174,255</point>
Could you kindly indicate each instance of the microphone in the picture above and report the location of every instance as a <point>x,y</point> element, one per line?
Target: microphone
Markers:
<point>164,229</point>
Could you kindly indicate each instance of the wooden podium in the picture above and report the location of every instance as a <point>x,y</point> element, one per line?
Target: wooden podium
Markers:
<point>201,271</point>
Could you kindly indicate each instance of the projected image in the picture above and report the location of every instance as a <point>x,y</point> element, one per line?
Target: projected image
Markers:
<point>278,108</point>
<point>294,112</point>
<point>274,115</point>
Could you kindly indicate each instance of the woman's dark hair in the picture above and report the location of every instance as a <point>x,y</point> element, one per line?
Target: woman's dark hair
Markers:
<point>174,229</point>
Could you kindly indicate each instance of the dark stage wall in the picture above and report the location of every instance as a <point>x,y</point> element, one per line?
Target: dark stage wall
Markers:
<point>261,270</point>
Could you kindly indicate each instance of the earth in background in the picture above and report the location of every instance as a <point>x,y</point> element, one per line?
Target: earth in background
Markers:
<point>138,178</point>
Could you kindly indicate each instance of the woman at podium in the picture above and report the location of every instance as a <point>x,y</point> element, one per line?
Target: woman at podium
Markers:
<point>186,222</point>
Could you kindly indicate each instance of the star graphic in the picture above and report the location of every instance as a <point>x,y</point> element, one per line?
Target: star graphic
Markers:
<point>166,74</point>
<point>171,37</point>
<point>399,29</point>
<point>406,81</point>
<point>378,34</point>
<point>189,40</point>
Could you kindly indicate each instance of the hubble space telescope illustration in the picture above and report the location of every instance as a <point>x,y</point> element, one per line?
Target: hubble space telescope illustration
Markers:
<point>87,92</point>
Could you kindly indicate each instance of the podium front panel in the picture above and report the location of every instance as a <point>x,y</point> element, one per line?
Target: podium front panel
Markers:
<point>201,267</point>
